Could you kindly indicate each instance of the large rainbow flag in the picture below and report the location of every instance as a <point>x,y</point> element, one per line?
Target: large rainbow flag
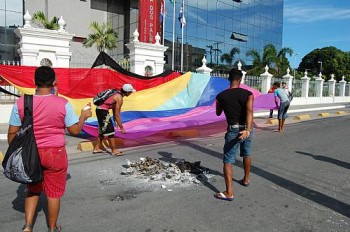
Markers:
<point>161,103</point>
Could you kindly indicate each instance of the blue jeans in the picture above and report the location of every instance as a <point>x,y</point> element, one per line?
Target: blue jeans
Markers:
<point>282,110</point>
<point>232,143</point>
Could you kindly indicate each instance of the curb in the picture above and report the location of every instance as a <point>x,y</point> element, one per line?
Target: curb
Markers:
<point>302,117</point>
<point>324,114</point>
<point>1,157</point>
<point>340,112</point>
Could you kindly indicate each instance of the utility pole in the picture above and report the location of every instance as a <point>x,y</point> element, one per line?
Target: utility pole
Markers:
<point>211,53</point>
<point>295,63</point>
<point>217,51</point>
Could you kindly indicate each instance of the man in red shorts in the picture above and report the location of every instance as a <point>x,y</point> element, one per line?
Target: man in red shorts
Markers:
<point>51,116</point>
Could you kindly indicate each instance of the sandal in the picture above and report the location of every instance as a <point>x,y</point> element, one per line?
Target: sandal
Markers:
<point>245,184</point>
<point>56,229</point>
<point>27,228</point>
<point>119,153</point>
<point>222,196</point>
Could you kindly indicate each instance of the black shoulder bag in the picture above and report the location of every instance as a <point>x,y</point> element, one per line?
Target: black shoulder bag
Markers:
<point>22,162</point>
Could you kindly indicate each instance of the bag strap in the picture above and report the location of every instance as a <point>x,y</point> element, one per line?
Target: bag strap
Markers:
<point>28,107</point>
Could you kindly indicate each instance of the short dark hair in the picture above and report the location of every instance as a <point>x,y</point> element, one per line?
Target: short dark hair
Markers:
<point>283,82</point>
<point>235,74</point>
<point>44,76</point>
<point>276,84</point>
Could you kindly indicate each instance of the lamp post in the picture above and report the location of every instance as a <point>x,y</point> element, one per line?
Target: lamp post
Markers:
<point>320,62</point>
<point>295,62</point>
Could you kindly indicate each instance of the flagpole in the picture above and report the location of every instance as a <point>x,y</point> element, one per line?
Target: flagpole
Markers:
<point>164,12</point>
<point>182,35</point>
<point>173,51</point>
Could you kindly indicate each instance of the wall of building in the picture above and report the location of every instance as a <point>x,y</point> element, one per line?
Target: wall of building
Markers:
<point>209,26</point>
<point>78,15</point>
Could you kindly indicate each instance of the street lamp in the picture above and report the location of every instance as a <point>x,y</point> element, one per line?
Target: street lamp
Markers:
<point>320,62</point>
<point>295,62</point>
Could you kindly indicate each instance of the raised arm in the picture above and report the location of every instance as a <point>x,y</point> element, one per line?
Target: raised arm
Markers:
<point>119,103</point>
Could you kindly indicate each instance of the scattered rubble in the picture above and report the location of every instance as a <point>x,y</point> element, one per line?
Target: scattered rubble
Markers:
<point>155,170</point>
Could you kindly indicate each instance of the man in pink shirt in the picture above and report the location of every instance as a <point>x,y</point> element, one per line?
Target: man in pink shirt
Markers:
<point>51,116</point>
<point>105,124</point>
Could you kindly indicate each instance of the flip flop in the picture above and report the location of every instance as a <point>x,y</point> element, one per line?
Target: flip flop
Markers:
<point>99,152</point>
<point>245,184</point>
<point>222,196</point>
<point>117,154</point>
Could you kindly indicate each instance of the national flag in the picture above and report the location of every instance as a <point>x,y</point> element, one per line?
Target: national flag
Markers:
<point>182,18</point>
<point>172,2</point>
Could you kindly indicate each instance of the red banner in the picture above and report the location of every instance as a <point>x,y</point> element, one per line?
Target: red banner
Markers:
<point>149,20</point>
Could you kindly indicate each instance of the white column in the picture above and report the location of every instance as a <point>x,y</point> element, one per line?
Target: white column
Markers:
<point>37,44</point>
<point>342,84</point>
<point>144,55</point>
<point>319,85</point>
<point>265,80</point>
<point>239,67</point>
<point>289,80</point>
<point>204,69</point>
<point>332,86</point>
<point>305,81</point>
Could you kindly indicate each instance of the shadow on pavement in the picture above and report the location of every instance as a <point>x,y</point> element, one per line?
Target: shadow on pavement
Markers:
<point>298,189</point>
<point>326,159</point>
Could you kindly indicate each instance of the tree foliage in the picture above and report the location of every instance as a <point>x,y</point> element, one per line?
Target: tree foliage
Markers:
<point>103,36</point>
<point>334,61</point>
<point>40,19</point>
<point>275,60</point>
<point>229,58</point>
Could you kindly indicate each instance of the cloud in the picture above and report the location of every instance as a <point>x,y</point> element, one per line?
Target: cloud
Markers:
<point>312,13</point>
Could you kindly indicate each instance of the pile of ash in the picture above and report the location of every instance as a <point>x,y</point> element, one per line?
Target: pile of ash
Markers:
<point>156,170</point>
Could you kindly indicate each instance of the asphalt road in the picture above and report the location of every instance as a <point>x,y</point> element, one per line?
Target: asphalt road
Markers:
<point>299,182</point>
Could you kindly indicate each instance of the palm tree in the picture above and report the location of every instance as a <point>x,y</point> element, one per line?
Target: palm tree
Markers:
<point>282,61</point>
<point>103,36</point>
<point>229,57</point>
<point>40,19</point>
<point>226,58</point>
<point>276,61</point>
<point>258,65</point>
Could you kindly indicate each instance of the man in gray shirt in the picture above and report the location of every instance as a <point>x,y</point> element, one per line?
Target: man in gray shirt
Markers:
<point>280,94</point>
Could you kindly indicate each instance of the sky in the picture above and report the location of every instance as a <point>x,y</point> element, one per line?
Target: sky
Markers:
<point>312,24</point>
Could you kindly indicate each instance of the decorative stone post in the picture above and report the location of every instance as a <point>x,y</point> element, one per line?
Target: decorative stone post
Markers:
<point>204,69</point>
<point>265,80</point>
<point>342,84</point>
<point>146,59</point>
<point>42,46</point>
<point>239,67</point>
<point>332,86</point>
<point>305,81</point>
<point>319,85</point>
<point>61,23</point>
<point>27,18</point>
<point>289,80</point>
